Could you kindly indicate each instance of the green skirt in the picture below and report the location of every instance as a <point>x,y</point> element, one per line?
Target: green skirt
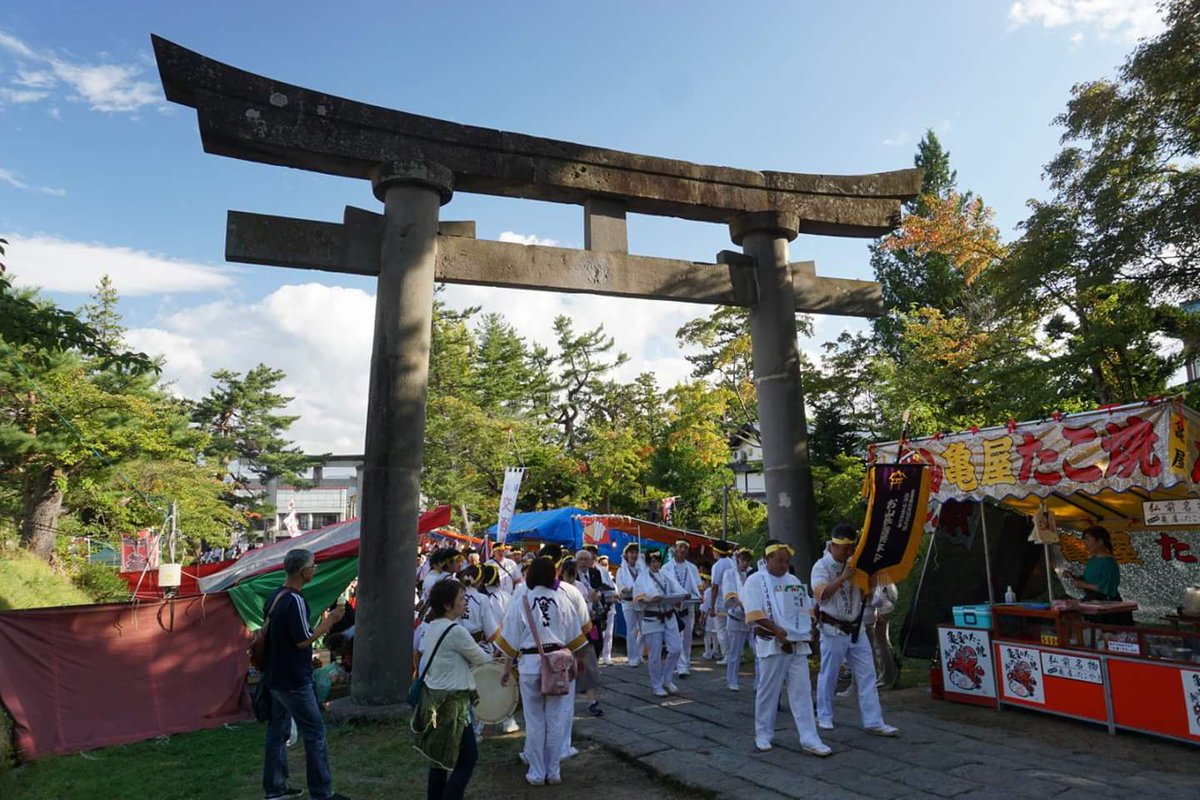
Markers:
<point>438,723</point>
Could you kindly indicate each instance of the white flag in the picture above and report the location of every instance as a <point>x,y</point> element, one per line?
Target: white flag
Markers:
<point>290,523</point>
<point>508,500</point>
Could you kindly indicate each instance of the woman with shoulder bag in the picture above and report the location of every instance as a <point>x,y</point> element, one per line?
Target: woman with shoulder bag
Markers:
<point>539,628</point>
<point>442,720</point>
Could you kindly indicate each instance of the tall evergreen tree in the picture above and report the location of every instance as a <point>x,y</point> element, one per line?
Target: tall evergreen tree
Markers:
<point>240,415</point>
<point>910,279</point>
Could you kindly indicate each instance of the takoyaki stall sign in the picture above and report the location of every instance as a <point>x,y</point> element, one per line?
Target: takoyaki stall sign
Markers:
<point>1088,467</point>
<point>967,668</point>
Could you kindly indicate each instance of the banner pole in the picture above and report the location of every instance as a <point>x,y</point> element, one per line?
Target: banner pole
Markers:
<point>987,552</point>
<point>920,585</point>
<point>1049,572</point>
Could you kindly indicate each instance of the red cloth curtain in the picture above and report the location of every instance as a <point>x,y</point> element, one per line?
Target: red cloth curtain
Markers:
<point>80,677</point>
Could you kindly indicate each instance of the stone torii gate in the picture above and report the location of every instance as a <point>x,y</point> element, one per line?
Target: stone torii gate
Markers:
<point>414,164</point>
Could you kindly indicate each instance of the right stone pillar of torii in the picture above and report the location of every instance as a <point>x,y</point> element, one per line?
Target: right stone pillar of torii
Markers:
<point>787,474</point>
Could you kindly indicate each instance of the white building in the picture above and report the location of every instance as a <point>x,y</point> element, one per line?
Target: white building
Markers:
<point>746,461</point>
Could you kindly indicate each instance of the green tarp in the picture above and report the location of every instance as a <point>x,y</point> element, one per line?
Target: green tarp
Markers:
<point>331,580</point>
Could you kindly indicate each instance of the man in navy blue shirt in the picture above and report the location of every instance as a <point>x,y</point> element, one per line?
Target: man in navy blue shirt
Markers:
<point>288,675</point>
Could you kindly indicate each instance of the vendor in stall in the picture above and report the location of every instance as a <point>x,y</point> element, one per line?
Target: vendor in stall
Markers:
<point>1101,579</point>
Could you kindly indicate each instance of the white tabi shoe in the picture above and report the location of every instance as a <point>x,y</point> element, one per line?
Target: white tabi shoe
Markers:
<point>570,753</point>
<point>825,726</point>
<point>733,688</point>
<point>821,751</point>
<point>510,726</point>
<point>661,693</point>
<point>762,748</point>
<point>883,730</point>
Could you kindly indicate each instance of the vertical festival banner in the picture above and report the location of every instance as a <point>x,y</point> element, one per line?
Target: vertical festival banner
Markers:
<point>508,501</point>
<point>897,500</point>
<point>668,509</point>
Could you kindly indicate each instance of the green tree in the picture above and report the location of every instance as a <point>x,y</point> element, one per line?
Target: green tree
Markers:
<point>907,277</point>
<point>502,372</point>
<point>240,416</point>
<point>583,361</point>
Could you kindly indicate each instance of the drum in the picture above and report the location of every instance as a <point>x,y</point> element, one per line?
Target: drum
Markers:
<point>497,702</point>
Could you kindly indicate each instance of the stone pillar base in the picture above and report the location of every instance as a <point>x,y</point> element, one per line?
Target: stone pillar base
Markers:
<point>344,710</point>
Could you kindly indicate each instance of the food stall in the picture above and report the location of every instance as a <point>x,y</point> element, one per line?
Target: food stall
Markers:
<point>1134,469</point>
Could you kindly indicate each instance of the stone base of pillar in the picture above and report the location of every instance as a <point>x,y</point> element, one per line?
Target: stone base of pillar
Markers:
<point>344,710</point>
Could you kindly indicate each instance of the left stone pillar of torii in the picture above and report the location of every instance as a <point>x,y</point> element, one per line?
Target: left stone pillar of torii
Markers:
<point>412,193</point>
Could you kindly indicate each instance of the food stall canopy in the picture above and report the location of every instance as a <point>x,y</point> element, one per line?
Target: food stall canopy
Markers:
<point>1119,466</point>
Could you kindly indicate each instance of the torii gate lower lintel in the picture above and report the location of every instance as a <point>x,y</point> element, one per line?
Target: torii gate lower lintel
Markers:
<point>415,164</point>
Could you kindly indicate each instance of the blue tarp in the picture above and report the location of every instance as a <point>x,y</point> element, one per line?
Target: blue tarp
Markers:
<point>557,525</point>
<point>560,526</point>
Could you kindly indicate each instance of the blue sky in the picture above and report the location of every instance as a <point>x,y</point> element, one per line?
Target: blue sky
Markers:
<point>98,173</point>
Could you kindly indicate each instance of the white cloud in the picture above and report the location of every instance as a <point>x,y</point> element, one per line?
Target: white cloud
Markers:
<point>103,87</point>
<point>896,141</point>
<point>1127,19</point>
<point>320,336</point>
<point>14,180</point>
<point>521,238</point>
<point>9,177</point>
<point>65,266</point>
<point>18,96</point>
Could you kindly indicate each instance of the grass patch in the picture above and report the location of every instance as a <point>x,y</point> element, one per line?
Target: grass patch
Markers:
<point>28,582</point>
<point>367,761</point>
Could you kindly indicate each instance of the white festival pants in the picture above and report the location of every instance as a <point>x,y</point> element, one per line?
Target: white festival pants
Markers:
<point>772,672</point>
<point>568,716</point>
<point>835,649</point>
<point>633,642</point>
<point>736,636</point>
<point>610,625</point>
<point>722,621</point>
<point>685,652</point>
<point>543,729</point>
<point>662,669</point>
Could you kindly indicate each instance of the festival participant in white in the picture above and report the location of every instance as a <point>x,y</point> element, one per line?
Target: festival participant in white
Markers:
<point>724,551</point>
<point>627,576</point>
<point>570,598</point>
<point>687,575</point>
<point>558,627</point>
<point>654,591</point>
<point>610,621</point>
<point>497,601</point>
<point>712,649</point>
<point>510,573</point>
<point>778,606</point>
<point>736,629</point>
<point>842,639</point>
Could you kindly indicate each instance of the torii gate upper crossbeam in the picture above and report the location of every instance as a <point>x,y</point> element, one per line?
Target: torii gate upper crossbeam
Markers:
<point>255,118</point>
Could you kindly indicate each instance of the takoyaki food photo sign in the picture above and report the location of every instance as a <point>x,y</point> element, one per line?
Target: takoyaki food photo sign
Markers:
<point>968,671</point>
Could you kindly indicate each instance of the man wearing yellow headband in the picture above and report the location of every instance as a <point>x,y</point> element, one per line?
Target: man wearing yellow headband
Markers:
<point>841,605</point>
<point>778,606</point>
<point>687,575</point>
<point>627,576</point>
<point>716,609</point>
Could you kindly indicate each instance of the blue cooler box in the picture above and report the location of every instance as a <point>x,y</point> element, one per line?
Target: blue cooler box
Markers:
<point>973,616</point>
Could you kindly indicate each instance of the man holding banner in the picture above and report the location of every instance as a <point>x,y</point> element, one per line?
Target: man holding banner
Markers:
<point>898,496</point>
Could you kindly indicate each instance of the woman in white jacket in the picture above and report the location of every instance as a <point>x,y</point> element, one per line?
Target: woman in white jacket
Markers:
<point>558,626</point>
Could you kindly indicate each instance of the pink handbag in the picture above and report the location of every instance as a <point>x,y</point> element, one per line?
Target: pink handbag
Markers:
<point>557,666</point>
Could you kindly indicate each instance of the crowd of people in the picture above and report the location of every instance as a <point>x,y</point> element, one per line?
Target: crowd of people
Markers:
<point>548,617</point>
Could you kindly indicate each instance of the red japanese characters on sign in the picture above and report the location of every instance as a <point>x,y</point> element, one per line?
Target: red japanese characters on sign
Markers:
<point>1111,449</point>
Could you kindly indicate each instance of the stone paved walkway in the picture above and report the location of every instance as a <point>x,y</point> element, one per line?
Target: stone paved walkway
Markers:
<point>703,739</point>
